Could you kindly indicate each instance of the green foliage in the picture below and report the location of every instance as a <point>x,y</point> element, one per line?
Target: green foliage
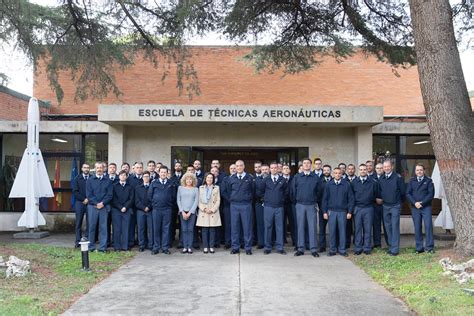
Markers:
<point>56,280</point>
<point>7,177</point>
<point>418,280</point>
<point>92,40</point>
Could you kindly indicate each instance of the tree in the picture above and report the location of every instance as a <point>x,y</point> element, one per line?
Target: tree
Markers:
<point>93,41</point>
<point>448,110</point>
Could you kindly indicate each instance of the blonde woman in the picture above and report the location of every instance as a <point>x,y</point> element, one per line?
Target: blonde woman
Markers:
<point>209,218</point>
<point>188,199</point>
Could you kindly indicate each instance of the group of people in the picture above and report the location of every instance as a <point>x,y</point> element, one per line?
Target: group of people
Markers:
<point>240,210</point>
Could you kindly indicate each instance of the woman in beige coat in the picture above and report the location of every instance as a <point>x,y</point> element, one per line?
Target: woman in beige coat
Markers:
<point>208,217</point>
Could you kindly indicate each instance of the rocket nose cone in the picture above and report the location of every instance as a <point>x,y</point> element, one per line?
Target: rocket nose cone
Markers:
<point>33,110</point>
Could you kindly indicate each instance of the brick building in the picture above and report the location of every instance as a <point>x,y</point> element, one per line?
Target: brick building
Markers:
<point>353,111</point>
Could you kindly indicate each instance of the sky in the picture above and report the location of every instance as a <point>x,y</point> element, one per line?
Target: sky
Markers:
<point>15,65</point>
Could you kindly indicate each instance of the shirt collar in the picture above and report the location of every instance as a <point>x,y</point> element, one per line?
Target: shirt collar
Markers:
<point>243,174</point>
<point>388,175</point>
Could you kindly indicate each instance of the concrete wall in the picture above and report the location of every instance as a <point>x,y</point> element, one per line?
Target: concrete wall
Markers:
<point>57,221</point>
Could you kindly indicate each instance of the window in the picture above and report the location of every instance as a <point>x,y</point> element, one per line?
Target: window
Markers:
<point>63,154</point>
<point>405,151</point>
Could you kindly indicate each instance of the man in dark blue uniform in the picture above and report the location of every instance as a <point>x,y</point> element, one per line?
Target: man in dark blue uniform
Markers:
<point>273,190</point>
<point>198,172</point>
<point>288,208</point>
<point>326,177</point>
<point>304,190</point>
<point>122,201</point>
<point>338,205</point>
<point>151,168</point>
<point>99,196</point>
<point>365,193</point>
<point>80,205</point>
<point>318,167</point>
<point>162,196</point>
<point>259,226</point>
<point>392,193</point>
<point>241,188</point>
<point>144,216</point>
<point>134,180</point>
<point>378,213</point>
<point>420,193</point>
<point>224,207</point>
<point>176,178</point>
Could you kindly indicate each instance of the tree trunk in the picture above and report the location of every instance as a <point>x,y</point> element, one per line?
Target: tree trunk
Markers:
<point>448,111</point>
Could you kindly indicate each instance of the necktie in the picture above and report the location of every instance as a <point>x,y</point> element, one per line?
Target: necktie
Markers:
<point>419,179</point>
<point>163,182</point>
<point>146,185</point>
<point>337,182</point>
<point>274,180</point>
<point>123,185</point>
<point>240,177</point>
<point>86,177</point>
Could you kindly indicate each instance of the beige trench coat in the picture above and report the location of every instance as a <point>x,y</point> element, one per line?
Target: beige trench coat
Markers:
<point>205,219</point>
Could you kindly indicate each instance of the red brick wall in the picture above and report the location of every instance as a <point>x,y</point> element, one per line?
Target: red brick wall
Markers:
<point>12,108</point>
<point>224,79</point>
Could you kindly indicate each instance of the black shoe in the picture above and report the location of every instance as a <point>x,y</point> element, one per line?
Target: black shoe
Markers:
<point>142,249</point>
<point>154,252</point>
<point>322,249</point>
<point>358,253</point>
<point>330,254</point>
<point>190,251</point>
<point>281,252</point>
<point>299,253</point>
<point>166,252</point>
<point>259,247</point>
<point>217,246</point>
<point>367,252</point>
<point>77,246</point>
<point>315,254</point>
<point>420,251</point>
<point>344,254</point>
<point>267,252</point>
<point>393,254</point>
<point>248,252</point>
<point>431,251</point>
<point>295,248</point>
<point>227,247</point>
<point>377,246</point>
<point>234,251</point>
<point>102,251</point>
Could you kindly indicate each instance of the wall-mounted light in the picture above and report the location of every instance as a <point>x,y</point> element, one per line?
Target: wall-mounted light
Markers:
<point>58,139</point>
<point>421,142</point>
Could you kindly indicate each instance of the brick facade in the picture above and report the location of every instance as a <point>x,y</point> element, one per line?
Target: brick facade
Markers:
<point>225,79</point>
<point>12,108</point>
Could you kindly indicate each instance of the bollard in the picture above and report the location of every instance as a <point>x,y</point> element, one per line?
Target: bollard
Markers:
<point>85,253</point>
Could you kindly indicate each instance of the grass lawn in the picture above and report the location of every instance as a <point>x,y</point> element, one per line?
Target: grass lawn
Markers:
<point>417,280</point>
<point>56,280</point>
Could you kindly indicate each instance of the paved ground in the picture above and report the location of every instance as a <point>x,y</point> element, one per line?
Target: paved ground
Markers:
<point>227,284</point>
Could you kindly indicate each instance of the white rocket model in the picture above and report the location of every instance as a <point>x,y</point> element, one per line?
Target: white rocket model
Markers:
<point>32,181</point>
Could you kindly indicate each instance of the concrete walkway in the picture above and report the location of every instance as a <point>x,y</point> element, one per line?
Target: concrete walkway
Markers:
<point>224,284</point>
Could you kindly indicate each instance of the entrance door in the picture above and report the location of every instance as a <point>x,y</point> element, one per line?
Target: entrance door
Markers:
<point>228,155</point>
